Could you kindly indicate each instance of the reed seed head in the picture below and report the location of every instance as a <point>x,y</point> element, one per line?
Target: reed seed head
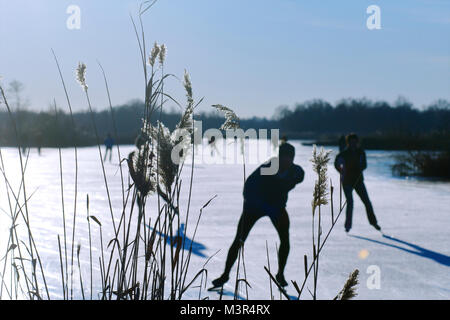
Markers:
<point>162,54</point>
<point>349,290</point>
<point>165,142</point>
<point>81,75</point>
<point>320,161</point>
<point>154,54</point>
<point>188,87</point>
<point>142,169</point>
<point>167,169</point>
<point>231,119</point>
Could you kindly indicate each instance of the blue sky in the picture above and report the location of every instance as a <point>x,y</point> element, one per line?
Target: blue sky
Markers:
<point>251,55</point>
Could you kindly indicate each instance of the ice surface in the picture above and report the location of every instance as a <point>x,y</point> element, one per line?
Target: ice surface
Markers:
<point>413,262</point>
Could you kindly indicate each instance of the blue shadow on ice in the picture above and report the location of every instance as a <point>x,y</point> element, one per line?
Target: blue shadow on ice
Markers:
<point>197,247</point>
<point>228,293</point>
<point>420,251</point>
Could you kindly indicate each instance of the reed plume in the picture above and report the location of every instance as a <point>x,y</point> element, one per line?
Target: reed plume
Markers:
<point>154,54</point>
<point>166,142</point>
<point>141,168</point>
<point>81,75</point>
<point>320,161</point>
<point>167,169</point>
<point>188,87</point>
<point>349,290</point>
<point>231,119</point>
<point>162,54</point>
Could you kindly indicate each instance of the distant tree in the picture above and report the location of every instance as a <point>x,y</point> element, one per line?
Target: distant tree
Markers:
<point>15,90</point>
<point>363,116</point>
<point>441,104</point>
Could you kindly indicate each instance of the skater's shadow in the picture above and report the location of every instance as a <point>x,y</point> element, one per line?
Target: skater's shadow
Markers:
<point>197,247</point>
<point>420,251</point>
<point>228,293</point>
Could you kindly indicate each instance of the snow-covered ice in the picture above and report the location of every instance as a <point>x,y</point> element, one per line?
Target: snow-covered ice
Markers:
<point>413,263</point>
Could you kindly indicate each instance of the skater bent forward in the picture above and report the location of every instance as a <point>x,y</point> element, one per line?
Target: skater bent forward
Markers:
<point>266,195</point>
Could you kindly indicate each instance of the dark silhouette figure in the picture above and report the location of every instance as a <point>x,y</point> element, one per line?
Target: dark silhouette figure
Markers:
<point>109,143</point>
<point>342,143</point>
<point>351,163</point>
<point>266,195</point>
<point>212,144</point>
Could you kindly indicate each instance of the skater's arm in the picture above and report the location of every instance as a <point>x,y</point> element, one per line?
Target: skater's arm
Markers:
<point>363,161</point>
<point>299,174</point>
<point>339,163</point>
<point>296,175</point>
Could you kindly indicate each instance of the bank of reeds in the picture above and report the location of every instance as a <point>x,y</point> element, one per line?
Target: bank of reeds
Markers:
<point>423,164</point>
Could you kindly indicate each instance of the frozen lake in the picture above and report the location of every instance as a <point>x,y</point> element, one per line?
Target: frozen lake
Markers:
<point>413,264</point>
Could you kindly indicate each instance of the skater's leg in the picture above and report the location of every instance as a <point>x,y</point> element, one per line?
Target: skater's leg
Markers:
<point>348,190</point>
<point>246,223</point>
<point>282,226</point>
<point>361,190</point>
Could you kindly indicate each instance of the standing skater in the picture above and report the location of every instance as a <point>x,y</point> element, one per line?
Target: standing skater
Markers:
<point>342,143</point>
<point>351,162</point>
<point>266,195</point>
<point>109,142</point>
<point>212,144</point>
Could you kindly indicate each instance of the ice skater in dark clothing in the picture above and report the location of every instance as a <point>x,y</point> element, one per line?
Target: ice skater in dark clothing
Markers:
<point>342,143</point>
<point>266,195</point>
<point>109,143</point>
<point>351,163</point>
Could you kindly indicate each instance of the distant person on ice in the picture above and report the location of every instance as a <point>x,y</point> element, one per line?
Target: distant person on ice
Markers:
<point>212,145</point>
<point>266,195</point>
<point>109,143</point>
<point>351,162</point>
